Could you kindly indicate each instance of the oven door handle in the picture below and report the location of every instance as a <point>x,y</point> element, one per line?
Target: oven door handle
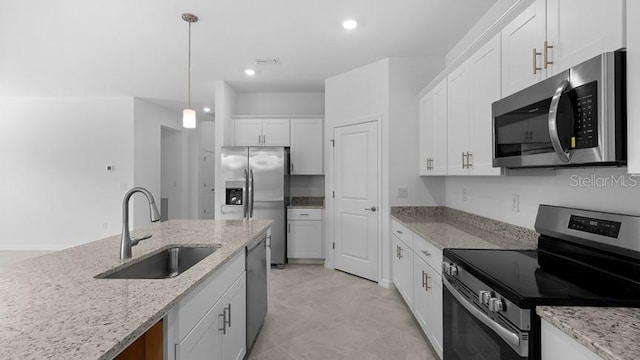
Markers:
<point>512,339</point>
<point>553,122</point>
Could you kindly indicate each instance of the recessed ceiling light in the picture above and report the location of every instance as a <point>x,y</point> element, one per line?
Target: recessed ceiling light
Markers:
<point>349,24</point>
<point>206,109</point>
<point>249,72</point>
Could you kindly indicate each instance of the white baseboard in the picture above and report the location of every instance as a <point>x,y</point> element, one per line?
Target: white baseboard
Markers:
<point>385,283</point>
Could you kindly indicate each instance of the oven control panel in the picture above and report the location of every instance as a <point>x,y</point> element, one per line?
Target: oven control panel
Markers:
<point>595,226</point>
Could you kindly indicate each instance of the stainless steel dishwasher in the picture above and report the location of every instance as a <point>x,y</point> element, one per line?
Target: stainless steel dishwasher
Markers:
<point>256,288</point>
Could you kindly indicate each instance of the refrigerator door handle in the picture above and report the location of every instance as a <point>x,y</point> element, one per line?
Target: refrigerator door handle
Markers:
<point>245,205</point>
<point>251,194</point>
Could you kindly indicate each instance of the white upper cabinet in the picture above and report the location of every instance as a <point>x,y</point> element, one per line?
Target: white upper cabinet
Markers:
<point>433,131</point>
<point>247,132</point>
<point>581,29</point>
<point>261,132</point>
<point>306,147</point>
<point>552,35</point>
<point>485,88</point>
<point>459,98</point>
<point>275,132</point>
<point>522,42</point>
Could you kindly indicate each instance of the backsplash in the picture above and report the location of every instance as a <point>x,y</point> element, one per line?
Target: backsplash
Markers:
<point>307,201</point>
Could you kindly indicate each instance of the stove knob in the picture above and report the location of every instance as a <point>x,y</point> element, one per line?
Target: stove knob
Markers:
<point>453,270</point>
<point>496,305</point>
<point>484,296</point>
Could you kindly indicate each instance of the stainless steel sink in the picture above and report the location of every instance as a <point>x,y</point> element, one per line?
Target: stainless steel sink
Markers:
<point>166,264</point>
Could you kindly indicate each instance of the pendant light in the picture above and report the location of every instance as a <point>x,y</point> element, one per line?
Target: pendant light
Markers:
<point>188,114</point>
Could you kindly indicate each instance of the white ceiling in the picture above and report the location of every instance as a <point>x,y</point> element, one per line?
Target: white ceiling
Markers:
<point>139,47</point>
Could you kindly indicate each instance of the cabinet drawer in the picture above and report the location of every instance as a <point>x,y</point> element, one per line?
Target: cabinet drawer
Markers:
<point>197,303</point>
<point>428,252</point>
<point>402,233</point>
<point>304,214</point>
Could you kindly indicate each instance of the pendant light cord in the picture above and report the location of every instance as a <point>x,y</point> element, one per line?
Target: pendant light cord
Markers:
<point>189,70</point>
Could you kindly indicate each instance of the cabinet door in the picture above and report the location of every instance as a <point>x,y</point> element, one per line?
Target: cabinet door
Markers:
<point>275,132</point>
<point>402,268</point>
<point>204,341</point>
<point>459,98</point>
<point>519,39</point>
<point>247,132</point>
<point>434,314</point>
<point>306,147</point>
<point>304,239</point>
<point>581,29</point>
<point>420,297</point>
<point>439,138</point>
<point>427,128</point>
<point>556,345</point>
<point>234,342</point>
<point>485,73</point>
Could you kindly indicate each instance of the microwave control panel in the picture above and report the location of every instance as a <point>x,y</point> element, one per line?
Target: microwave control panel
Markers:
<point>585,109</point>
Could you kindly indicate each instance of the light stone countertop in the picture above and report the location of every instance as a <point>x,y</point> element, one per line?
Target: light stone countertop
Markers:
<point>305,207</point>
<point>611,333</point>
<point>52,307</point>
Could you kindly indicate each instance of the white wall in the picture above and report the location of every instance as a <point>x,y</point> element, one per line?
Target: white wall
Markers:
<point>279,104</point>
<point>407,77</point>
<point>55,191</point>
<point>598,189</point>
<point>633,84</point>
<point>224,104</point>
<point>148,120</point>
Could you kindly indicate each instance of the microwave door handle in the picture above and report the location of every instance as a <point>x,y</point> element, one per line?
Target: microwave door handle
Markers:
<point>509,337</point>
<point>553,122</point>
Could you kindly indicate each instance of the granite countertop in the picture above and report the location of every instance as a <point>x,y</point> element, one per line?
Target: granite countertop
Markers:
<point>309,202</point>
<point>449,228</point>
<point>608,332</point>
<point>52,307</point>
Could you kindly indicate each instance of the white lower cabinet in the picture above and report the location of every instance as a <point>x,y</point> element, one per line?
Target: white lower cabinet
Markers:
<point>403,269</point>
<point>556,345</point>
<point>210,322</point>
<point>304,233</point>
<point>418,282</point>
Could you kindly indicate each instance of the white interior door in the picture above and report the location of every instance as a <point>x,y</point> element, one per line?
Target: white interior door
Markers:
<point>356,199</point>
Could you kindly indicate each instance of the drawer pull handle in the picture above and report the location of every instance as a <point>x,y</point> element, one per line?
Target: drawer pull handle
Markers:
<point>426,253</point>
<point>399,232</point>
<point>304,214</point>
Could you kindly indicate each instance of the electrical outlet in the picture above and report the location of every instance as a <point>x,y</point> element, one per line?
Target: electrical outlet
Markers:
<point>515,203</point>
<point>403,193</point>
<point>464,194</point>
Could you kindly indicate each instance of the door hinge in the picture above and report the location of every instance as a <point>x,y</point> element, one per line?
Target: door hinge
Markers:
<point>333,143</point>
<point>334,246</point>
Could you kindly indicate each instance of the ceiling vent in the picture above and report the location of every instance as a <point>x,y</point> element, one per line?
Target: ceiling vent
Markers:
<point>267,61</point>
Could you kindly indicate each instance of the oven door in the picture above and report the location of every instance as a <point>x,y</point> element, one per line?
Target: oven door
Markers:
<point>469,334</point>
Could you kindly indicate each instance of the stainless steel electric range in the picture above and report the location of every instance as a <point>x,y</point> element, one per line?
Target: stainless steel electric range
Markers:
<point>583,258</point>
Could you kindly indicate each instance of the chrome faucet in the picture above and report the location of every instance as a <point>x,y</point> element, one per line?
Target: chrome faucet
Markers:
<point>126,242</point>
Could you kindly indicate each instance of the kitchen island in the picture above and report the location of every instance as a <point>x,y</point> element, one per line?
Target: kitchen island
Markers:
<point>52,307</point>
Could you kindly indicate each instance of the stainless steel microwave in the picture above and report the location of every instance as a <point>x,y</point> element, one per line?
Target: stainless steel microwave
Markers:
<point>574,118</point>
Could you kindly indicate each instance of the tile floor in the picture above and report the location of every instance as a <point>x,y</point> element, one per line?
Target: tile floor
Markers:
<point>318,314</point>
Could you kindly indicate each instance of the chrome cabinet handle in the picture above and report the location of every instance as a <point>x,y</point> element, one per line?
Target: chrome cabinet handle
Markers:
<point>469,159</point>
<point>399,232</point>
<point>553,122</point>
<point>535,61</point>
<point>424,281</point>
<point>545,59</point>
<point>229,319</point>
<point>224,321</point>
<point>289,230</point>
<point>401,251</point>
<point>463,162</point>
<point>426,253</point>
<point>293,168</point>
<point>304,214</point>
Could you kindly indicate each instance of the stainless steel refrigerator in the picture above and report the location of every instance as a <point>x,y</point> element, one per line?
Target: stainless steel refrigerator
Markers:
<point>257,186</point>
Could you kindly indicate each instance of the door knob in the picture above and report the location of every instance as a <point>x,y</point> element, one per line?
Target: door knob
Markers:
<point>373,208</point>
